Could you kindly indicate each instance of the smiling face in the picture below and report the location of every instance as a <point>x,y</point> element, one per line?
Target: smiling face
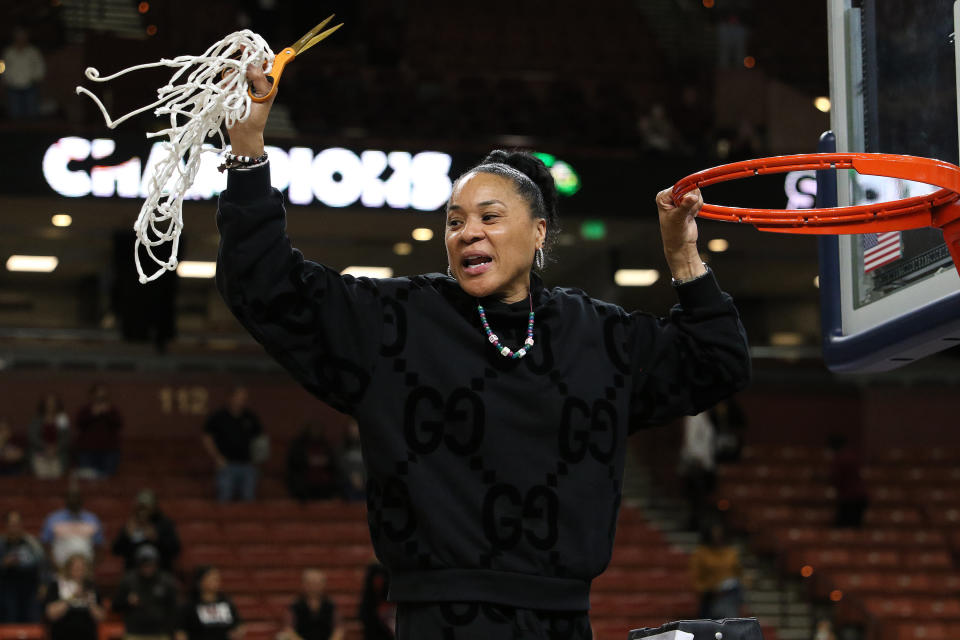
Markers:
<point>491,237</point>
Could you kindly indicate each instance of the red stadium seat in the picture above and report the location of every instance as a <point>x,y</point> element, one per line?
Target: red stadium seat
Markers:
<point>245,532</point>
<point>332,556</point>
<point>618,580</point>
<point>22,632</point>
<point>668,606</point>
<point>110,630</point>
<point>211,554</point>
<point>199,532</point>
<point>270,580</point>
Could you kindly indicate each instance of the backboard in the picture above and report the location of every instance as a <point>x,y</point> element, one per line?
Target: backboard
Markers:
<point>889,298</point>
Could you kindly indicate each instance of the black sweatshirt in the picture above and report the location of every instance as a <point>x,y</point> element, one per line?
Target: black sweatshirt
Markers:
<point>490,479</point>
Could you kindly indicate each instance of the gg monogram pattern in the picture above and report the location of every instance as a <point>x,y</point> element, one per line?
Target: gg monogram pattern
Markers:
<point>491,480</point>
<point>483,621</point>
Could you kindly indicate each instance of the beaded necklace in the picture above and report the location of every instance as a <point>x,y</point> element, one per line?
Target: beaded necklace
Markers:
<point>506,352</point>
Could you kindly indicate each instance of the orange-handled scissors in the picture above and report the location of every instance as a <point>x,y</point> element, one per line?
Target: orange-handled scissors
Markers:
<point>309,39</point>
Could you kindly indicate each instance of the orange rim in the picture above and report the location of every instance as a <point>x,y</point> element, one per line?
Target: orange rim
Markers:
<point>906,213</point>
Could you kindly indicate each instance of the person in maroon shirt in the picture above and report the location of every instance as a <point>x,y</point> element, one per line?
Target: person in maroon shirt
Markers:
<point>311,465</point>
<point>12,454</point>
<point>49,438</point>
<point>98,424</point>
<point>847,480</point>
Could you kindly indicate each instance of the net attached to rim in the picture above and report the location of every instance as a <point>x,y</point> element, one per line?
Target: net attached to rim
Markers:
<point>203,94</point>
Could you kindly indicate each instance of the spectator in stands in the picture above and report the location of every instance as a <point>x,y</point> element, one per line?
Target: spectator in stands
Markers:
<point>72,531</point>
<point>698,465</point>
<point>729,423</point>
<point>24,71</point>
<point>98,425</point>
<point>377,614</point>
<point>49,438</point>
<point>21,565</point>
<point>229,437</point>
<point>313,616</point>
<point>147,526</point>
<point>311,465</point>
<point>72,605</point>
<point>12,454</point>
<point>350,465</point>
<point>824,630</point>
<point>209,614</point>
<point>715,565</point>
<point>732,38</point>
<point>852,497</point>
<point>147,598</point>
<point>658,132</point>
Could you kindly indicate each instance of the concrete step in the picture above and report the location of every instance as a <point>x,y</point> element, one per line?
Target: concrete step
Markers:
<point>759,594</point>
<point>798,633</point>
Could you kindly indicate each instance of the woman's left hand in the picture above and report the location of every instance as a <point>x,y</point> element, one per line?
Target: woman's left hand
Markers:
<point>678,227</point>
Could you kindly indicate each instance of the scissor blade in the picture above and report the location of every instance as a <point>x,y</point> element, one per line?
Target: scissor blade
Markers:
<point>301,44</point>
<point>320,37</point>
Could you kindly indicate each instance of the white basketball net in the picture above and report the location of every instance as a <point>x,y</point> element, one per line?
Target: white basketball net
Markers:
<point>199,100</point>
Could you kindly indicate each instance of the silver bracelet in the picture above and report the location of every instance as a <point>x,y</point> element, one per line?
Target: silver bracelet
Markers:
<point>233,161</point>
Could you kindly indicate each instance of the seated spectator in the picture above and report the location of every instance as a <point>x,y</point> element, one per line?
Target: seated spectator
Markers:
<point>209,614</point>
<point>12,454</point>
<point>377,615</point>
<point>49,438</point>
<point>147,526</point>
<point>311,472</point>
<point>97,448</point>
<point>350,465</point>
<point>715,565</point>
<point>72,530</point>
<point>147,598</point>
<point>313,616</point>
<point>24,71</point>
<point>730,424</point>
<point>72,606</point>
<point>698,465</point>
<point>229,437</point>
<point>847,480</point>
<point>21,564</point>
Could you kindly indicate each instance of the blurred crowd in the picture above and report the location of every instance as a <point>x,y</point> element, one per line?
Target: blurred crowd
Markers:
<point>49,578</point>
<point>381,76</point>
<point>89,446</point>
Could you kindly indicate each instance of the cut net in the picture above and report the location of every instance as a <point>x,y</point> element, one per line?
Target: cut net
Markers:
<point>200,96</point>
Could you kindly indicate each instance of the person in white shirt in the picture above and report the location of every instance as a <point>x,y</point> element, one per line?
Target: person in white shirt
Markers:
<point>697,464</point>
<point>24,69</point>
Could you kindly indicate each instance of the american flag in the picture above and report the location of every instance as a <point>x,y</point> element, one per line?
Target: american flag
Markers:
<point>880,249</point>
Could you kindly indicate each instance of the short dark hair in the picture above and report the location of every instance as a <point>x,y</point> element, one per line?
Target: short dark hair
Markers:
<point>533,182</point>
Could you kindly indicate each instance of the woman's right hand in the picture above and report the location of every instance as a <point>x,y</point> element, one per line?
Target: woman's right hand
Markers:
<point>246,138</point>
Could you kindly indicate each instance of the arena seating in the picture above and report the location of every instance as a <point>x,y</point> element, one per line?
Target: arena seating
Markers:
<point>897,576</point>
<point>262,547</point>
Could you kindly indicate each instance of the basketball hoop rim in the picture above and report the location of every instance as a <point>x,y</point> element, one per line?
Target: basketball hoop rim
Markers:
<point>905,213</point>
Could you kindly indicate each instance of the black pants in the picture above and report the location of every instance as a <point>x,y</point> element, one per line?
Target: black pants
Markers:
<point>482,621</point>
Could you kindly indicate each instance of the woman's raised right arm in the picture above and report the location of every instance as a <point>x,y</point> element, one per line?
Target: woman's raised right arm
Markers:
<point>322,327</point>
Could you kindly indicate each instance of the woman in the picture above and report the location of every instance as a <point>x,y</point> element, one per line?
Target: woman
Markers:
<point>49,436</point>
<point>313,615</point>
<point>72,605</point>
<point>715,565</point>
<point>493,411</point>
<point>209,614</point>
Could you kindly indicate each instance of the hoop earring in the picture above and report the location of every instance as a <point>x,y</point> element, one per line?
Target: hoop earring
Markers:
<point>538,258</point>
